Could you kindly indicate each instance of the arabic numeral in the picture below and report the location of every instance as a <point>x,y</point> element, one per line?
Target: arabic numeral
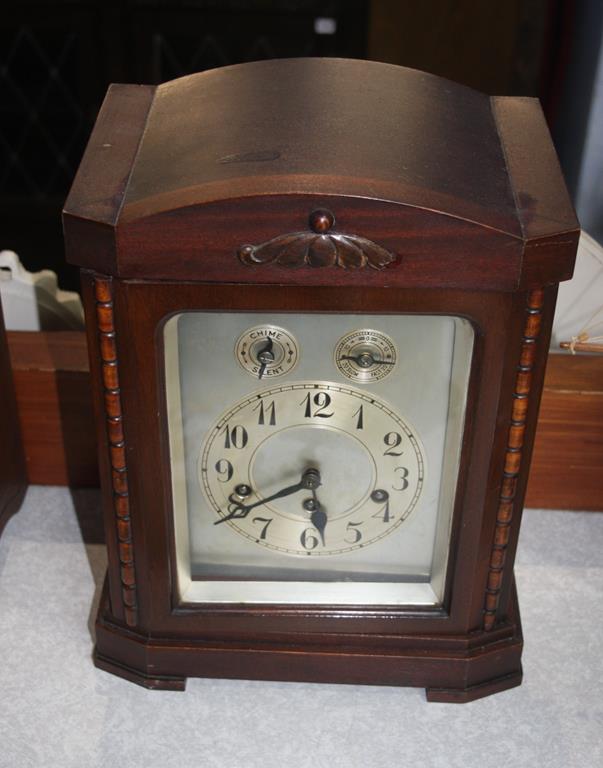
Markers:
<point>322,400</point>
<point>392,440</point>
<point>266,521</point>
<point>402,477</point>
<point>309,538</point>
<point>355,533</point>
<point>224,469</point>
<point>234,438</point>
<point>359,414</point>
<point>267,414</point>
<point>384,513</point>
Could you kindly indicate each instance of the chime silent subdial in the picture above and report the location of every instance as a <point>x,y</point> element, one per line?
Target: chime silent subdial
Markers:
<point>266,351</point>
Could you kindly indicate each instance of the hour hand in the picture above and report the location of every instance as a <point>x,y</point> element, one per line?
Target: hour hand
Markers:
<point>366,359</point>
<point>235,509</point>
<point>318,516</point>
<point>265,355</point>
<point>310,480</point>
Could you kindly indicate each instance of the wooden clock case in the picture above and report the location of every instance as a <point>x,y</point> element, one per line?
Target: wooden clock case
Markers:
<point>463,190</point>
<point>13,477</point>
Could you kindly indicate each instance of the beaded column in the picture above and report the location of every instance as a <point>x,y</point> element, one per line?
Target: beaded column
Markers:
<point>117,450</point>
<point>513,456</point>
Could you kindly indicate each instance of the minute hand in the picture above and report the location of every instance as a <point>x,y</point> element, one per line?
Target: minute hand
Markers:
<point>308,480</point>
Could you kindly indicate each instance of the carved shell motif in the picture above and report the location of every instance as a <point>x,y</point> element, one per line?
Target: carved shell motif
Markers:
<point>318,248</point>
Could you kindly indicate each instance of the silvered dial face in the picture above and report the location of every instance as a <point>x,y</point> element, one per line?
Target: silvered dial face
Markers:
<point>312,468</point>
<point>314,456</point>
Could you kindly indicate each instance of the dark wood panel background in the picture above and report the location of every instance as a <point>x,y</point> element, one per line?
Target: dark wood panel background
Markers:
<point>498,48</point>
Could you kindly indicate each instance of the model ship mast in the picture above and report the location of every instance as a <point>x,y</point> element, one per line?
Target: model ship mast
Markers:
<point>586,340</point>
<point>583,341</point>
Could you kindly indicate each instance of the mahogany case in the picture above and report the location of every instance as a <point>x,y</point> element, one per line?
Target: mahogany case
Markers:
<point>465,195</point>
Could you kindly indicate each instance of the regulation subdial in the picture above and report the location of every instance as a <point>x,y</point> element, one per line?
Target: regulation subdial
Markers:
<point>365,356</point>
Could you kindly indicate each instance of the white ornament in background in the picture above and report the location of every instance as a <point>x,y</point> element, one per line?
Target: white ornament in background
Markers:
<point>581,297</point>
<point>33,301</point>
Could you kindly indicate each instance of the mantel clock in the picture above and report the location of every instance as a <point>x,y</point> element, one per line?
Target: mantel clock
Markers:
<point>319,295</point>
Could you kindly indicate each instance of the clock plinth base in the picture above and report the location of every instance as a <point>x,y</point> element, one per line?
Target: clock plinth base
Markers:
<point>473,692</point>
<point>152,682</point>
<point>471,667</point>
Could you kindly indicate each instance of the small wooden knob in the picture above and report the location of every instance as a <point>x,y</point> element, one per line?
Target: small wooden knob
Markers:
<point>321,221</point>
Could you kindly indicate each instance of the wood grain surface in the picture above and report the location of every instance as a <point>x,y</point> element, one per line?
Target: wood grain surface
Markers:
<point>52,383</point>
<point>567,467</point>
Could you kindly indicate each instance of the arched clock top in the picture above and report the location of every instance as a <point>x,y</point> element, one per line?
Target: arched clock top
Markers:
<point>406,160</point>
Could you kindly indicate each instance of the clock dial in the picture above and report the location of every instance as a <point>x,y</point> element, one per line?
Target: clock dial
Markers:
<point>266,351</point>
<point>367,461</point>
<point>334,471</point>
<point>365,356</point>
